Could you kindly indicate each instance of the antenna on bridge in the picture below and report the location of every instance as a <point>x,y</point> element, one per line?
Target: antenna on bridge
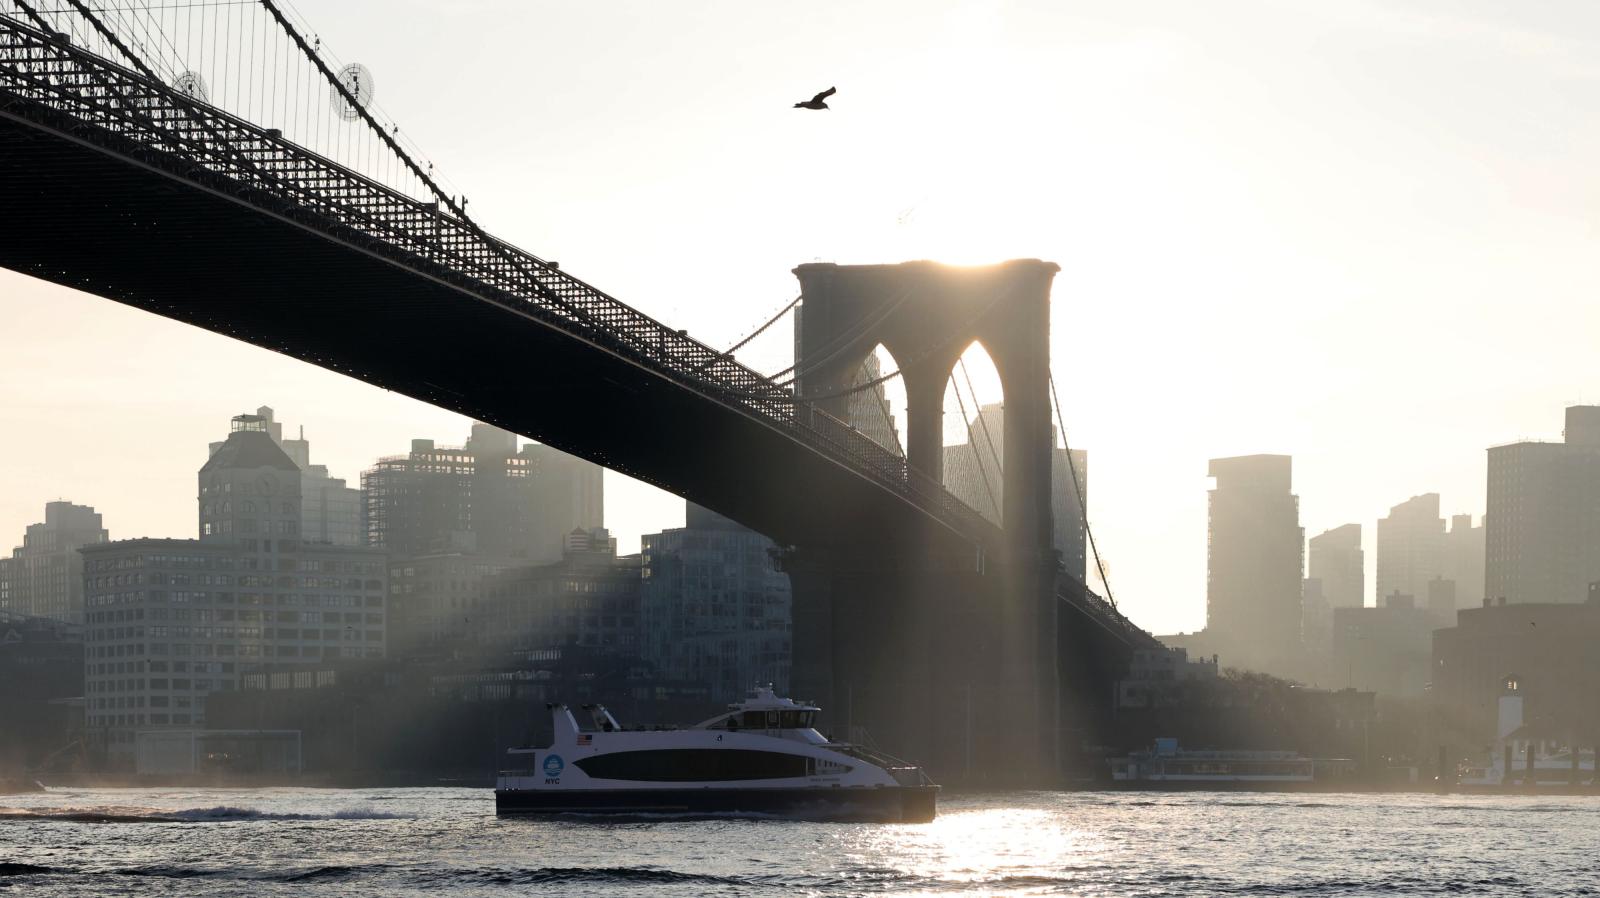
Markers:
<point>349,84</point>
<point>355,86</point>
<point>191,85</point>
<point>354,90</point>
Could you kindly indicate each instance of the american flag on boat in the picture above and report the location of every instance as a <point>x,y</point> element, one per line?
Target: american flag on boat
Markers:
<point>585,739</point>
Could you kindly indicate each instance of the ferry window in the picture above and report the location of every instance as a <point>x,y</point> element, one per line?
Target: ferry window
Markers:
<point>755,719</point>
<point>772,718</point>
<point>790,720</point>
<point>694,765</point>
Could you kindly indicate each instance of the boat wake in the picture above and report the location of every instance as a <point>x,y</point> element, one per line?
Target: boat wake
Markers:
<point>218,814</point>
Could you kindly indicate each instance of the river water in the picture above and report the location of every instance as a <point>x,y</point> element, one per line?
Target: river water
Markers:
<point>448,842</point>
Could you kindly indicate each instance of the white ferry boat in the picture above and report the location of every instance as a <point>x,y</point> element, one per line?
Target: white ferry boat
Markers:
<point>762,756</point>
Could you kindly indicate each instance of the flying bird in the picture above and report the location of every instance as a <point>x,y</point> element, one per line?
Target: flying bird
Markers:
<point>819,101</point>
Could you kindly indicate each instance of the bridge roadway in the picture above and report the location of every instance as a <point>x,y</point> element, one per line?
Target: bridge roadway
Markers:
<point>116,185</point>
<point>94,206</point>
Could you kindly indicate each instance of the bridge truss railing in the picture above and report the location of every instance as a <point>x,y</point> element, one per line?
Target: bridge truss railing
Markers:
<point>104,102</point>
<point>1075,592</point>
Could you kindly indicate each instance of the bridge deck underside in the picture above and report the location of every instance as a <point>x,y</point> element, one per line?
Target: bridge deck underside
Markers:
<point>81,216</point>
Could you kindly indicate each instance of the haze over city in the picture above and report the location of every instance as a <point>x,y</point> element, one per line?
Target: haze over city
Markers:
<point>1357,233</point>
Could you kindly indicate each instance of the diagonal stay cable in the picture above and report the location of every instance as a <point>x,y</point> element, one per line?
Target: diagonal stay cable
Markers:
<point>916,360</point>
<point>1077,488</point>
<point>999,463</point>
<point>841,342</point>
<point>971,441</point>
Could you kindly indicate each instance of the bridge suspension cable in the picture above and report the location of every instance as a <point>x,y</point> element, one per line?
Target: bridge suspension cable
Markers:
<point>846,340</point>
<point>63,88</point>
<point>1077,489</point>
<point>762,329</point>
<point>841,342</point>
<point>243,57</point>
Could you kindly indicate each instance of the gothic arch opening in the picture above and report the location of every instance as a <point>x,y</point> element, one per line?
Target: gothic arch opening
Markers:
<point>879,411</point>
<point>974,433</point>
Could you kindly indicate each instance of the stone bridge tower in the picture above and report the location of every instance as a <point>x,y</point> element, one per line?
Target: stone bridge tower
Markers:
<point>949,660</point>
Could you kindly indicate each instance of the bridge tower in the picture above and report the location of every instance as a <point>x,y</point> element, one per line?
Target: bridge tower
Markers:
<point>948,659</point>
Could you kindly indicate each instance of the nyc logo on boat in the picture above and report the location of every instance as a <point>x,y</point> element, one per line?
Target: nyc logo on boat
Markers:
<point>553,765</point>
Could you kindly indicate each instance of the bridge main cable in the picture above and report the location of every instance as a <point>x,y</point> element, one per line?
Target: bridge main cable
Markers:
<point>762,329</point>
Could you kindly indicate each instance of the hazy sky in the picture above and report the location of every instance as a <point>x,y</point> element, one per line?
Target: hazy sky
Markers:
<point>1363,234</point>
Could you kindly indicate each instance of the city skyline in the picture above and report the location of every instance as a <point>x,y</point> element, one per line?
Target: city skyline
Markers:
<point>661,509</point>
<point>1386,151</point>
<point>427,416</point>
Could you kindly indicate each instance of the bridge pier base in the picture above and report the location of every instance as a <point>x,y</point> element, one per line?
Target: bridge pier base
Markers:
<point>1090,663</point>
<point>921,658</point>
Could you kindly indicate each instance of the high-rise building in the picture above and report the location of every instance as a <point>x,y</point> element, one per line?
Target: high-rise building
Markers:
<point>715,608</point>
<point>1442,600</point>
<point>1463,560</point>
<point>1069,496</point>
<point>1383,649</point>
<point>1254,564</point>
<point>459,604</point>
<point>1542,523</point>
<point>486,497</point>
<point>589,600</point>
<point>170,621</point>
<point>1316,620</point>
<point>434,601</point>
<point>1410,547</point>
<point>869,408</point>
<point>1336,559</point>
<point>250,491</point>
<point>330,511</point>
<point>973,472</point>
<point>44,576</point>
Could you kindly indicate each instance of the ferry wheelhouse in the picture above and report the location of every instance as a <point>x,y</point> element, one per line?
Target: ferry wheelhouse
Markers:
<point>762,756</point>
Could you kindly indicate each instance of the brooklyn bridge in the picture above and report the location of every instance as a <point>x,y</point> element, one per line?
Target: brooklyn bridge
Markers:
<point>239,179</point>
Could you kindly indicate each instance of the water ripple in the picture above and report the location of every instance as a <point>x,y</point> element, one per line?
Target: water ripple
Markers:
<point>447,842</point>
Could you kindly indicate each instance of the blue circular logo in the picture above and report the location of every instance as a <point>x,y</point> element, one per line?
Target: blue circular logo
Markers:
<point>553,765</point>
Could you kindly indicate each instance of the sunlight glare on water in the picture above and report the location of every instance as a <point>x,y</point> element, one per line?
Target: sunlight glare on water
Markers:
<point>448,842</point>
<point>978,848</point>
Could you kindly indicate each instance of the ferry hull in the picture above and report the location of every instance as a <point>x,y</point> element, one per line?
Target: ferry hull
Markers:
<point>889,804</point>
